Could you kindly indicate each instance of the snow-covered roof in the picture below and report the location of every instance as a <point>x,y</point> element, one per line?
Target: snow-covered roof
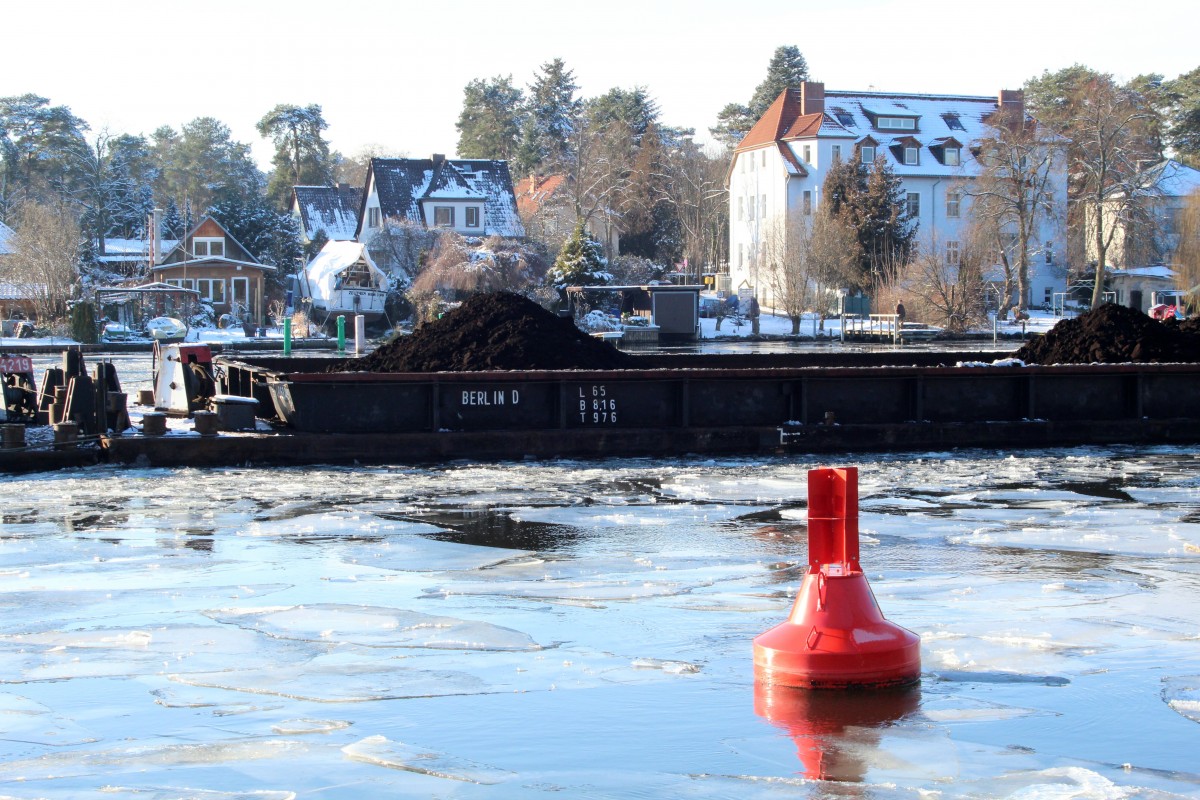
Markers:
<point>856,116</point>
<point>6,234</point>
<point>334,259</point>
<point>131,249</point>
<point>1175,179</point>
<point>333,209</point>
<point>1158,271</point>
<point>402,183</point>
<point>20,291</point>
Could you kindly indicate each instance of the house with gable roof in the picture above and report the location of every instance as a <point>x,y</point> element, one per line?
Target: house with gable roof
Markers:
<point>211,261</point>
<point>332,209</point>
<point>548,214</point>
<point>1151,237</point>
<point>778,170</point>
<point>473,197</point>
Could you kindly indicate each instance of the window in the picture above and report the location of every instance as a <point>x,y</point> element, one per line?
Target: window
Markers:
<point>913,205</point>
<point>953,122</point>
<point>372,217</point>
<point>953,202</point>
<point>951,156</point>
<point>212,290</point>
<point>443,216</point>
<point>750,209</point>
<point>764,158</point>
<point>808,203</point>
<point>241,293</point>
<point>837,152</point>
<point>741,261</point>
<point>807,154</point>
<point>208,246</point>
<point>896,123</point>
<point>952,257</point>
<point>867,153</point>
<point>762,209</point>
<point>910,156</point>
<point>1049,295</point>
<point>843,116</point>
<point>182,283</point>
<point>472,220</point>
<point>741,208</point>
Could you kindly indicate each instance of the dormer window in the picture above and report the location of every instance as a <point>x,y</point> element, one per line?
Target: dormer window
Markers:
<point>911,157</point>
<point>896,123</point>
<point>867,153</point>
<point>952,156</point>
<point>208,247</point>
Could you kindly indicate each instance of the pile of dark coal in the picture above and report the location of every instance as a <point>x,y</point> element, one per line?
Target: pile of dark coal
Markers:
<point>1113,334</point>
<point>501,331</point>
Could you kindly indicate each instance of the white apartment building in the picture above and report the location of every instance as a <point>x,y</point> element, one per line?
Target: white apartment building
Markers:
<point>779,168</point>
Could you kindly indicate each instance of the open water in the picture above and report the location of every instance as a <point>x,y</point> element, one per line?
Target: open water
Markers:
<point>583,630</point>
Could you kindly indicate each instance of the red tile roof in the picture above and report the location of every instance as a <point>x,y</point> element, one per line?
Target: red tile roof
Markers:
<point>535,190</point>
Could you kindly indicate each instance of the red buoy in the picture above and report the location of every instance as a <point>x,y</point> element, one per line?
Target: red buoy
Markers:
<point>836,637</point>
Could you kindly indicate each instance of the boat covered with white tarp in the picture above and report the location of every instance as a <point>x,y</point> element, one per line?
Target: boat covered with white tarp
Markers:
<point>343,279</point>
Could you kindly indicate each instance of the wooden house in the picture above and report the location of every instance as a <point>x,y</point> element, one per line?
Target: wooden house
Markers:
<point>211,261</point>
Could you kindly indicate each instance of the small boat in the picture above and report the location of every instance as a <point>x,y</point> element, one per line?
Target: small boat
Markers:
<point>166,329</point>
<point>343,279</point>
<point>116,332</point>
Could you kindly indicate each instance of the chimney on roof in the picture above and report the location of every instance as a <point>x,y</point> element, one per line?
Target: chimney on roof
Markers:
<point>1012,101</point>
<point>156,237</point>
<point>812,98</point>
<point>438,159</point>
<point>343,187</point>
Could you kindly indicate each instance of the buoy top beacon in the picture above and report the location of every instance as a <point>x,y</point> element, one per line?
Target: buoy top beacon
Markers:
<point>836,636</point>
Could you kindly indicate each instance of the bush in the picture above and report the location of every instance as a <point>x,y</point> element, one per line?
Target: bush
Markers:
<point>83,323</point>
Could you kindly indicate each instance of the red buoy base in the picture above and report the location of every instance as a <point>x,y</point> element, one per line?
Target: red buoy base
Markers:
<point>837,638</point>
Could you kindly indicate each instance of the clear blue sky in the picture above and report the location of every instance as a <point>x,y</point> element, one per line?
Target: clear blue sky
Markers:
<point>393,73</point>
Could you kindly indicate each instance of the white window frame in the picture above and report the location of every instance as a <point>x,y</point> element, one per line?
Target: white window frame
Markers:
<point>953,254</point>
<point>911,156</point>
<point>896,123</point>
<point>764,157</point>
<point>807,154</point>
<point>952,156</point>
<point>741,208</point>
<point>372,217</point>
<point>471,216</point>
<point>763,208</point>
<point>204,246</point>
<point>867,154</point>
<point>447,211</point>
<point>240,296</point>
<point>912,204</point>
<point>836,150</point>
<point>206,287</point>
<point>182,283</point>
<point>953,204</point>
<point>807,202</point>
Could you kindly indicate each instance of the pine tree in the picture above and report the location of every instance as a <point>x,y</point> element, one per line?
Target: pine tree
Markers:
<point>872,202</point>
<point>301,153</point>
<point>172,221</point>
<point>551,115</point>
<point>581,262</point>
<point>786,70</point>
<point>490,122</point>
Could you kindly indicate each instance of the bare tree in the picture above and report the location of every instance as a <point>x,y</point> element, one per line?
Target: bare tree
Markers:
<point>946,285</point>
<point>46,252</point>
<point>1187,254</point>
<point>785,249</point>
<point>694,184</point>
<point>400,246</point>
<point>806,257</point>
<point>1111,134</point>
<point>1014,193</point>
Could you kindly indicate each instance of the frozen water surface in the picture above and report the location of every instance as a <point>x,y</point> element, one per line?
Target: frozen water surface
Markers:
<point>584,630</point>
